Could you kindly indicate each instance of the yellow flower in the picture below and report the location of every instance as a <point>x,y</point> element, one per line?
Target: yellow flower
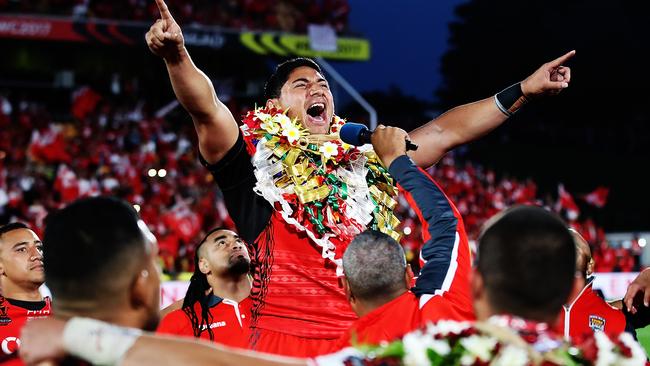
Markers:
<point>282,120</point>
<point>292,133</point>
<point>329,149</point>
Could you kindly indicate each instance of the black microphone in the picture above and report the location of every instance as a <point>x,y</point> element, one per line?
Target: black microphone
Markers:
<point>357,134</point>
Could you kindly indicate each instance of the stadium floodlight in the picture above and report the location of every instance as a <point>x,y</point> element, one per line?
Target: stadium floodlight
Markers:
<point>162,173</point>
<point>152,172</point>
<point>407,230</point>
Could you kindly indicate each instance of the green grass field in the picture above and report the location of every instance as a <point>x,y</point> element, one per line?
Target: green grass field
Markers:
<point>644,338</point>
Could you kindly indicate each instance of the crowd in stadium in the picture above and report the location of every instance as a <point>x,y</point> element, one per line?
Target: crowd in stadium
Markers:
<point>113,144</point>
<point>284,15</point>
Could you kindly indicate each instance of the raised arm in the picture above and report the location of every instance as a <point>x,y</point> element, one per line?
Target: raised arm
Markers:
<point>441,254</point>
<point>468,122</point>
<point>215,126</point>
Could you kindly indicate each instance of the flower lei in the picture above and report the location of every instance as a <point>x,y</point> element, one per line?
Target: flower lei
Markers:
<point>502,340</point>
<point>319,184</point>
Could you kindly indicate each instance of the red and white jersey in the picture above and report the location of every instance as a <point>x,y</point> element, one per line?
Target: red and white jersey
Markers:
<point>590,313</point>
<point>13,315</point>
<point>229,325</point>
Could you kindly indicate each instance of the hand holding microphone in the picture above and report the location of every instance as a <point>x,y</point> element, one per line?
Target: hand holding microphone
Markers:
<point>388,142</point>
<point>357,134</point>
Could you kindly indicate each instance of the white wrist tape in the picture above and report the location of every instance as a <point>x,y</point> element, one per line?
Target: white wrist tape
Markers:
<point>98,342</point>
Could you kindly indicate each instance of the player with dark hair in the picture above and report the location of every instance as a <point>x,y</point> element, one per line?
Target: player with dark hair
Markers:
<point>100,263</point>
<point>304,194</point>
<point>217,303</point>
<point>517,248</point>
<point>21,276</point>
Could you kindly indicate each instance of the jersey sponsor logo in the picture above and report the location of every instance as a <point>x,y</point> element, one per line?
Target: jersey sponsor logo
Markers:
<point>43,313</point>
<point>4,318</point>
<point>215,325</point>
<point>10,345</point>
<point>596,323</point>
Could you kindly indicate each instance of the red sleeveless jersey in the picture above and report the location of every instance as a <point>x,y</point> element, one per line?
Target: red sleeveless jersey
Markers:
<point>300,290</point>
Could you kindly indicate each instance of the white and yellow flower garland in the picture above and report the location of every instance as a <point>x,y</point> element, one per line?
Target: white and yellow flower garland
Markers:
<point>319,184</point>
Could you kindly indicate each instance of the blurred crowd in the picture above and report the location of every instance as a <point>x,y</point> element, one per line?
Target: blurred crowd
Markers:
<point>119,145</point>
<point>479,194</point>
<point>283,15</point>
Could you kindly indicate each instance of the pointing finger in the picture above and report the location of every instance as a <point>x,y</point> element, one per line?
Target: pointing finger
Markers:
<point>555,63</point>
<point>164,10</point>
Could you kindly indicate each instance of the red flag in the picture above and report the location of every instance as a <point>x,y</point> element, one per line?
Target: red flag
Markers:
<point>598,197</point>
<point>565,201</point>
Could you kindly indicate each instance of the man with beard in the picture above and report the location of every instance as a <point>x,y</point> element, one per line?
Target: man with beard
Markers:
<point>217,302</point>
<point>304,195</point>
<point>21,276</point>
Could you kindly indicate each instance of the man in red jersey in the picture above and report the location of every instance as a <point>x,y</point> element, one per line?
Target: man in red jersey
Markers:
<point>217,302</point>
<point>377,279</point>
<point>298,305</point>
<point>21,268</point>
<point>587,312</point>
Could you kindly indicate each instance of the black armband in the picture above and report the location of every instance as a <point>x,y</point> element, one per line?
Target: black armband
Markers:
<point>510,99</point>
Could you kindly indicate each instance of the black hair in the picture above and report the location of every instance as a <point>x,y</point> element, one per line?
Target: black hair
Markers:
<point>12,226</point>
<point>527,259</point>
<point>197,292</point>
<point>91,248</point>
<point>374,265</point>
<point>279,77</point>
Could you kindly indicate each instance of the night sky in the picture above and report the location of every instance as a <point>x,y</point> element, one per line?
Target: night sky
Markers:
<point>401,33</point>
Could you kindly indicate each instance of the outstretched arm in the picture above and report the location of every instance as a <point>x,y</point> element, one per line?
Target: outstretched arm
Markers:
<point>47,340</point>
<point>215,126</point>
<point>155,351</point>
<point>468,122</point>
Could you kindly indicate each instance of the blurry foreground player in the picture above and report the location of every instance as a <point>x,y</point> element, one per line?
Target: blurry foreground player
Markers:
<point>217,303</point>
<point>101,264</point>
<point>21,271</point>
<point>587,312</point>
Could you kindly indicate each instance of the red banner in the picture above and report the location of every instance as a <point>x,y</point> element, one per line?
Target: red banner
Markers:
<point>38,28</point>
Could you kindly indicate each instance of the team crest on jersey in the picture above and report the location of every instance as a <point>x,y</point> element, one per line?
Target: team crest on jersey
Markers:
<point>4,318</point>
<point>596,323</point>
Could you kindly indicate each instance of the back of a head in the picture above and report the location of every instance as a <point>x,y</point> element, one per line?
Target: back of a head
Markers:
<point>374,265</point>
<point>281,74</point>
<point>92,249</point>
<point>527,260</point>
